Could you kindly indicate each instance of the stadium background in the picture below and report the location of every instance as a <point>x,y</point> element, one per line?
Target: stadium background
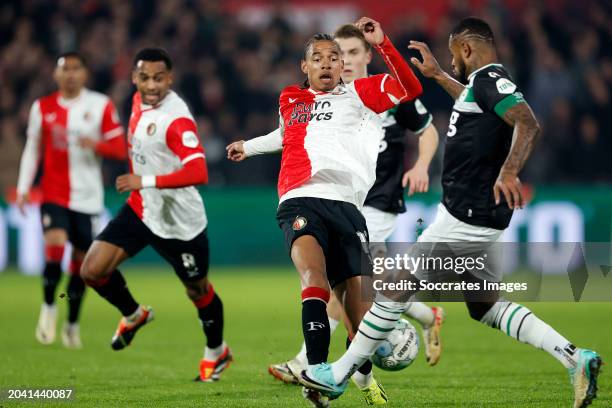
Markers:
<point>232,58</point>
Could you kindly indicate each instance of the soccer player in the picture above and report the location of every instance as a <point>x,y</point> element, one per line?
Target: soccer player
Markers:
<point>385,200</point>
<point>72,129</point>
<point>164,210</point>
<point>330,133</point>
<point>491,133</point>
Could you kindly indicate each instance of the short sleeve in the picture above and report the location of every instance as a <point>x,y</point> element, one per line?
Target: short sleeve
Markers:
<point>111,126</point>
<point>182,139</point>
<point>496,92</point>
<point>413,116</point>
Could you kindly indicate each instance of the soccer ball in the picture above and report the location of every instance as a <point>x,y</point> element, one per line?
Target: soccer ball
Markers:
<point>399,350</point>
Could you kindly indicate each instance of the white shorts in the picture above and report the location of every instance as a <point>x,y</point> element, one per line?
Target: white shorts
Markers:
<point>448,229</point>
<point>380,223</point>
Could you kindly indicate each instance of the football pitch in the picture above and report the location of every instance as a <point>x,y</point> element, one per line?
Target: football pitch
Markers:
<point>480,367</point>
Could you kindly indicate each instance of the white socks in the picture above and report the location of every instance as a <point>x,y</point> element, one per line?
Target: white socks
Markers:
<point>520,323</point>
<point>135,316</point>
<point>375,327</point>
<point>421,313</point>
<point>212,354</point>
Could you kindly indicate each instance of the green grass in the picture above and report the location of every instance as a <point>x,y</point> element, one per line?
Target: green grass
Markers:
<point>480,367</point>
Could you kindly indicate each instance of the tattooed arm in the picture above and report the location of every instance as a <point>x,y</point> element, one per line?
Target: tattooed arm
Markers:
<point>524,137</point>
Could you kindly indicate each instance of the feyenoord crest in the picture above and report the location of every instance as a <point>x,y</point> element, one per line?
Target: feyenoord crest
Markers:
<point>151,129</point>
<point>87,117</point>
<point>299,223</point>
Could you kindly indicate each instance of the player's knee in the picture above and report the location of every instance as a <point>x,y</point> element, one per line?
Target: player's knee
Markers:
<point>200,293</point>
<point>478,310</point>
<point>92,271</point>
<point>314,276</point>
<point>196,290</point>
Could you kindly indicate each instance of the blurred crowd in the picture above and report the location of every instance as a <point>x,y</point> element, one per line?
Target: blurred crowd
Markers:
<point>231,70</point>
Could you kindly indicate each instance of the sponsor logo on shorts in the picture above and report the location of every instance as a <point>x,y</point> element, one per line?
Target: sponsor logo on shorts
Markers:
<point>151,129</point>
<point>299,223</point>
<point>46,220</point>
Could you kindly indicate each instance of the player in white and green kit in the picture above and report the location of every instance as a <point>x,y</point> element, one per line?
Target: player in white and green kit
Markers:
<point>491,134</point>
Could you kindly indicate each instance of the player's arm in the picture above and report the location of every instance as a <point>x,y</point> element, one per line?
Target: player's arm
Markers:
<point>382,92</point>
<point>270,143</point>
<point>30,156</point>
<point>497,93</point>
<point>113,144</point>
<point>417,178</point>
<point>182,140</point>
<point>415,117</point>
<point>431,69</point>
<point>525,135</point>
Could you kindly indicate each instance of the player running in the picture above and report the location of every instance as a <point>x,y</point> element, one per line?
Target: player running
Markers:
<point>384,201</point>
<point>491,133</point>
<point>330,133</point>
<point>164,210</point>
<point>72,129</point>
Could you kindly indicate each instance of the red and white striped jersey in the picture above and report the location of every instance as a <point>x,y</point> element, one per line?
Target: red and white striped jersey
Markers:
<point>331,139</point>
<point>162,140</point>
<point>71,176</point>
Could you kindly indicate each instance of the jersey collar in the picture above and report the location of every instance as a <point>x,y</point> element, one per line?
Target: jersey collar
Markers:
<point>494,64</point>
<point>66,103</point>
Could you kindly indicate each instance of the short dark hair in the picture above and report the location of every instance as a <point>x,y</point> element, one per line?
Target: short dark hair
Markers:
<point>316,38</point>
<point>153,55</point>
<point>474,26</point>
<point>72,54</point>
<point>350,31</point>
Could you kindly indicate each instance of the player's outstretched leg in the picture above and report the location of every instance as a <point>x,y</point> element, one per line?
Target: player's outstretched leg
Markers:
<point>430,319</point>
<point>47,320</point>
<point>521,324</point>
<point>99,271</point>
<point>217,355</point>
<point>71,336</point>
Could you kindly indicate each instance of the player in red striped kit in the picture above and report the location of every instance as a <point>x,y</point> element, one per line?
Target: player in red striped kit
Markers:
<point>164,210</point>
<point>72,129</point>
<point>330,137</point>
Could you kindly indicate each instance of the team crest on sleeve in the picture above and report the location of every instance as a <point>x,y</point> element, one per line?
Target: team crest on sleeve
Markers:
<point>190,139</point>
<point>420,108</point>
<point>151,129</point>
<point>299,223</point>
<point>505,86</point>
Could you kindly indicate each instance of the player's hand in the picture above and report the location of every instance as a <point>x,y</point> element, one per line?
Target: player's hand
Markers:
<point>510,186</point>
<point>417,180</point>
<point>429,67</point>
<point>21,201</point>
<point>128,182</point>
<point>87,143</point>
<point>371,29</point>
<point>235,151</point>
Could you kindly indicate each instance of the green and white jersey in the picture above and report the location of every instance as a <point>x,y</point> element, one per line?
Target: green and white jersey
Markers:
<point>477,144</point>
